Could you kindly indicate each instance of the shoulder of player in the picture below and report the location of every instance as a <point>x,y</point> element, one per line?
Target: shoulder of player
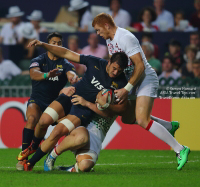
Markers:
<point>125,34</point>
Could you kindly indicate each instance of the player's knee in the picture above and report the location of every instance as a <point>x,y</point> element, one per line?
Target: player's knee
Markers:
<point>81,139</point>
<point>58,132</point>
<point>85,165</point>
<point>31,122</point>
<point>44,122</point>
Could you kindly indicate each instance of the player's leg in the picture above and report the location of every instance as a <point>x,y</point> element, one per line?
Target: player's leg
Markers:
<point>63,128</point>
<point>56,110</point>
<point>128,116</point>
<point>171,126</point>
<point>33,114</point>
<point>144,106</point>
<point>77,139</point>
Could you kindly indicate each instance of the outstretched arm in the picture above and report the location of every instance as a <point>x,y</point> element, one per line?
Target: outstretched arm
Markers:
<point>57,50</point>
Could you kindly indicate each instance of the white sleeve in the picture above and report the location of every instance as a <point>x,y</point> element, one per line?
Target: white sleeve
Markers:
<point>14,69</point>
<point>131,46</point>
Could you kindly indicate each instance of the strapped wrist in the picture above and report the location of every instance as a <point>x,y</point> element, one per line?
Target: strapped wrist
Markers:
<point>45,75</point>
<point>129,87</point>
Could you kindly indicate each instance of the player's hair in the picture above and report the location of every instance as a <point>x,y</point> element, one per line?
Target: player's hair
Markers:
<point>120,58</point>
<point>197,61</point>
<point>54,34</point>
<point>103,18</point>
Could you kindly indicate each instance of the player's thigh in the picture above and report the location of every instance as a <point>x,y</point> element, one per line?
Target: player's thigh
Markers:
<point>68,124</point>
<point>53,112</point>
<point>33,114</point>
<point>128,116</point>
<point>144,105</point>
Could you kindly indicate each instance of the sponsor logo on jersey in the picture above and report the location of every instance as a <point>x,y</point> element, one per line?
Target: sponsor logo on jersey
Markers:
<point>96,83</point>
<point>54,78</point>
<point>96,67</point>
<point>114,85</point>
<point>44,64</point>
<point>34,64</point>
<point>74,69</point>
<point>59,66</point>
<point>31,101</point>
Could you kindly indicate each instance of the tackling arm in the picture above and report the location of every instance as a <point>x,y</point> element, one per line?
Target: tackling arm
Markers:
<point>57,51</point>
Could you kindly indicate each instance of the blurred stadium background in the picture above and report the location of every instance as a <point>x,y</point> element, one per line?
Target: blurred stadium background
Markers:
<point>175,101</point>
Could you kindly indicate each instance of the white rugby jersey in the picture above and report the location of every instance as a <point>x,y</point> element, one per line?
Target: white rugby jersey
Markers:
<point>100,125</point>
<point>125,41</point>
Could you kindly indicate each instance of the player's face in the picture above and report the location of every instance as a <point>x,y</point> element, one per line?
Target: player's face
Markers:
<point>55,41</point>
<point>101,31</point>
<point>114,70</point>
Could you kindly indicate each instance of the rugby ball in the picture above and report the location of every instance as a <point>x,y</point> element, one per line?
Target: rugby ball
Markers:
<point>110,99</point>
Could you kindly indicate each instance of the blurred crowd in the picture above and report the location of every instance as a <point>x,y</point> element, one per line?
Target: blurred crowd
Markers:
<point>178,62</point>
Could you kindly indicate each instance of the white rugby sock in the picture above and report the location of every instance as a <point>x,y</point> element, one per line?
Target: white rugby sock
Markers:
<point>164,123</point>
<point>54,154</point>
<point>159,131</point>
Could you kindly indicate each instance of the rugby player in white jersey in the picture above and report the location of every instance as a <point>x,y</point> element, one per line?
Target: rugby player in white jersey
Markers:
<point>86,153</point>
<point>143,83</point>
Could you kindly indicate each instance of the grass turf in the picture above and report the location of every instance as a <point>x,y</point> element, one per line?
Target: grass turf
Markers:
<point>114,168</point>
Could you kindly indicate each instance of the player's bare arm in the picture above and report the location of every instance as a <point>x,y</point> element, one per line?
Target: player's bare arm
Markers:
<point>37,75</point>
<point>78,100</point>
<point>139,68</point>
<point>57,50</point>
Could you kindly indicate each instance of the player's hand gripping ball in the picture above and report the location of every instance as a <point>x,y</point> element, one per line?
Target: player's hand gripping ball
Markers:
<point>110,99</point>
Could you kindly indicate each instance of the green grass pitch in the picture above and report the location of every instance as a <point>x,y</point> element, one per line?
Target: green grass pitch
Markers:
<point>114,168</point>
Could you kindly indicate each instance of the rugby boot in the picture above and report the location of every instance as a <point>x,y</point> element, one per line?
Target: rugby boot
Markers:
<point>182,157</point>
<point>25,153</point>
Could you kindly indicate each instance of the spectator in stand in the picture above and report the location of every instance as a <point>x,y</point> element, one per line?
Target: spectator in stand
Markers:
<point>28,34</point>
<point>195,18</point>
<point>146,17</point>
<point>94,48</point>
<point>175,53</point>
<point>186,69</point>
<point>181,24</point>
<point>35,18</point>
<point>168,70</point>
<point>165,19</point>
<point>148,49</point>
<point>10,31</point>
<point>121,17</point>
<point>73,44</point>
<point>196,68</point>
<point>85,16</point>
<point>195,41</point>
<point>8,69</point>
<point>147,37</point>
